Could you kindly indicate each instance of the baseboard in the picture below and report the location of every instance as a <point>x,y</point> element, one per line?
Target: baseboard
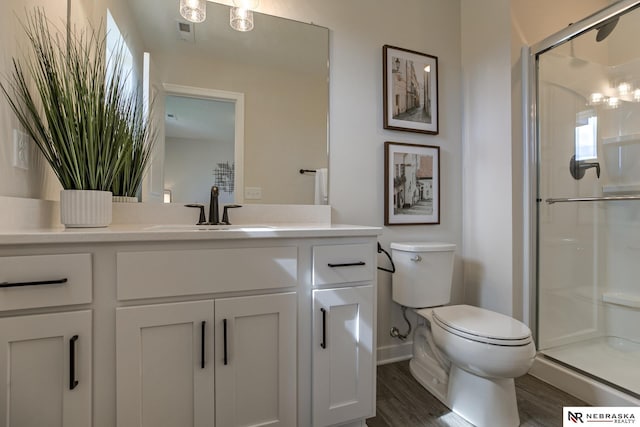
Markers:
<point>395,353</point>
<point>581,386</point>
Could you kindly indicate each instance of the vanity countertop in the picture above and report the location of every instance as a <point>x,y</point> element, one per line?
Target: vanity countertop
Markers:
<point>151,232</point>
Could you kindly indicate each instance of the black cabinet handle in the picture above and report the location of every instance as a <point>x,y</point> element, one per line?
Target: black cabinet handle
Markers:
<point>202,344</point>
<point>224,335</point>
<point>323,344</point>
<point>41,282</point>
<point>348,264</point>
<point>72,362</point>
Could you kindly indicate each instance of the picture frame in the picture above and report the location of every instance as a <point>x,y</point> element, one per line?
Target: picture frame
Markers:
<point>412,184</point>
<point>410,88</point>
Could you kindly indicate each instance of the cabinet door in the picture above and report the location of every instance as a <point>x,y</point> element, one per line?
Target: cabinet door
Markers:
<point>45,370</point>
<point>164,370</point>
<point>343,371</point>
<point>256,361</point>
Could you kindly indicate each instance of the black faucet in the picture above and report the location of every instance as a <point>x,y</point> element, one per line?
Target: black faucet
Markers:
<point>201,220</point>
<point>214,216</point>
<point>225,214</point>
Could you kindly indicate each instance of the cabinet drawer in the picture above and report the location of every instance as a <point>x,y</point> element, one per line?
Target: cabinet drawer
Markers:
<point>151,274</point>
<point>333,264</point>
<point>44,281</point>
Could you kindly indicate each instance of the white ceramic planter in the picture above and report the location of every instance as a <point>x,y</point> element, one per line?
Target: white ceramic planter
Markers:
<point>85,208</point>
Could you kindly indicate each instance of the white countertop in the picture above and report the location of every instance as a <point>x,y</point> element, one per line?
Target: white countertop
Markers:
<point>155,232</point>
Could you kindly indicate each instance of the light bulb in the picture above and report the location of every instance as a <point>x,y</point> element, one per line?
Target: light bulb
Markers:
<point>193,10</point>
<point>636,95</point>
<point>613,102</point>
<point>596,98</point>
<point>624,88</point>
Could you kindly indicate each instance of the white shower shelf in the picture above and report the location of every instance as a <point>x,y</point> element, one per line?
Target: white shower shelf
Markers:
<point>621,298</point>
<point>621,188</point>
<point>630,139</point>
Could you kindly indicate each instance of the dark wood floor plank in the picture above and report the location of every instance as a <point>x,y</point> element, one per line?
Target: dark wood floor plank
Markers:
<point>403,402</point>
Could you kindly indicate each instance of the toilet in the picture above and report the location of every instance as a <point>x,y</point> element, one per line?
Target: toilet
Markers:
<point>465,356</point>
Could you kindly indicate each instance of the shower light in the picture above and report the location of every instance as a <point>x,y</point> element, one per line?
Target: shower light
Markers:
<point>241,19</point>
<point>193,10</point>
<point>624,89</point>
<point>596,98</point>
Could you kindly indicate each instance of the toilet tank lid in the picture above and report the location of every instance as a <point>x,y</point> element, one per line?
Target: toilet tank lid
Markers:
<point>423,246</point>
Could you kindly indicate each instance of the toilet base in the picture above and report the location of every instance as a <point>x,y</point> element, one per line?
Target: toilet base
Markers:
<point>428,374</point>
<point>484,402</point>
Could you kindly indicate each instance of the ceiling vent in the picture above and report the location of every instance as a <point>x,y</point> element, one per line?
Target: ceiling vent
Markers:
<point>185,31</point>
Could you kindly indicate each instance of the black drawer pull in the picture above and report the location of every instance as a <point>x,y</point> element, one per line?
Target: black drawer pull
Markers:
<point>224,333</point>
<point>73,382</point>
<point>323,344</point>
<point>42,282</point>
<point>349,264</point>
<point>202,344</point>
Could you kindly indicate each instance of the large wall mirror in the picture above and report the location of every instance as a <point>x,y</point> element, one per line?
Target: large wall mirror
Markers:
<point>213,87</point>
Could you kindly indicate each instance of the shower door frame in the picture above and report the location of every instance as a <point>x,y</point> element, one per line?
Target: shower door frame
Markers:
<point>531,149</point>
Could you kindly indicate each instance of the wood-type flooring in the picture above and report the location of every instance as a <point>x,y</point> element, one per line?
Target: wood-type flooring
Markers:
<point>403,402</point>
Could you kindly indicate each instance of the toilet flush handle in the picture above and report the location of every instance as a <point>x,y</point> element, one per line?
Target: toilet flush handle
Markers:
<point>416,258</point>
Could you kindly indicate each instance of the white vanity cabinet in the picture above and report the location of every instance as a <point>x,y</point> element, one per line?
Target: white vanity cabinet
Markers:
<point>164,366</point>
<point>176,329</point>
<point>343,328</point>
<point>170,372</point>
<point>45,357</point>
<point>255,360</point>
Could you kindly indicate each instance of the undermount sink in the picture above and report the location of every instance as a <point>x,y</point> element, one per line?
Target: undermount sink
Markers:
<point>218,227</point>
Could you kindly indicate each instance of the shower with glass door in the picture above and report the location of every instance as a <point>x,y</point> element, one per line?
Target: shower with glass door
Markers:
<point>586,183</point>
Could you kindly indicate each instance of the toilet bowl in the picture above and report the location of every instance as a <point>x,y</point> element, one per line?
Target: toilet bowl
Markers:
<point>466,356</point>
<point>487,351</point>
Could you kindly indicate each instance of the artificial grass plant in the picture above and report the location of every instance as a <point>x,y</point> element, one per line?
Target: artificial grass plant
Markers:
<point>71,100</point>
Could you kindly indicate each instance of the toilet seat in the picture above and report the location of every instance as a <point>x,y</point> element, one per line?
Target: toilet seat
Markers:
<point>483,326</point>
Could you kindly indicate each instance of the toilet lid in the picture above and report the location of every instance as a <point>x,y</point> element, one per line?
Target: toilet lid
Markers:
<point>482,325</point>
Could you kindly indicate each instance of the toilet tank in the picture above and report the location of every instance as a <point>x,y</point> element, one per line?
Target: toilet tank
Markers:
<point>423,274</point>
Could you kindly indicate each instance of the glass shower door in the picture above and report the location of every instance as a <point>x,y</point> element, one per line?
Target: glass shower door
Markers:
<point>588,216</point>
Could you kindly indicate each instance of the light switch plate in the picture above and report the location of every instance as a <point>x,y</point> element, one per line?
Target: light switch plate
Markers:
<point>20,149</point>
<point>253,193</point>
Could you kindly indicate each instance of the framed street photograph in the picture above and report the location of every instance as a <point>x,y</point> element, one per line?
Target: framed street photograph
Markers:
<point>412,184</point>
<point>410,88</point>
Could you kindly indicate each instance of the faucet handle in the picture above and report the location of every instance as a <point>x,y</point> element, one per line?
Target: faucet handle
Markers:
<point>201,219</point>
<point>225,213</point>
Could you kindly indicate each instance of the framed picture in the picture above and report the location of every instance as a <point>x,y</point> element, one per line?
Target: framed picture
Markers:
<point>410,87</point>
<point>412,184</point>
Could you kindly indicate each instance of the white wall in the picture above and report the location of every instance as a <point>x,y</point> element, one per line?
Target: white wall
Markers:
<point>487,188</point>
<point>189,165</point>
<point>37,180</point>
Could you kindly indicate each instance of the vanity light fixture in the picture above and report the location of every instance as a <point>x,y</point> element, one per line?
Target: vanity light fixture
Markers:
<point>241,16</point>
<point>193,10</point>
<point>241,19</point>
